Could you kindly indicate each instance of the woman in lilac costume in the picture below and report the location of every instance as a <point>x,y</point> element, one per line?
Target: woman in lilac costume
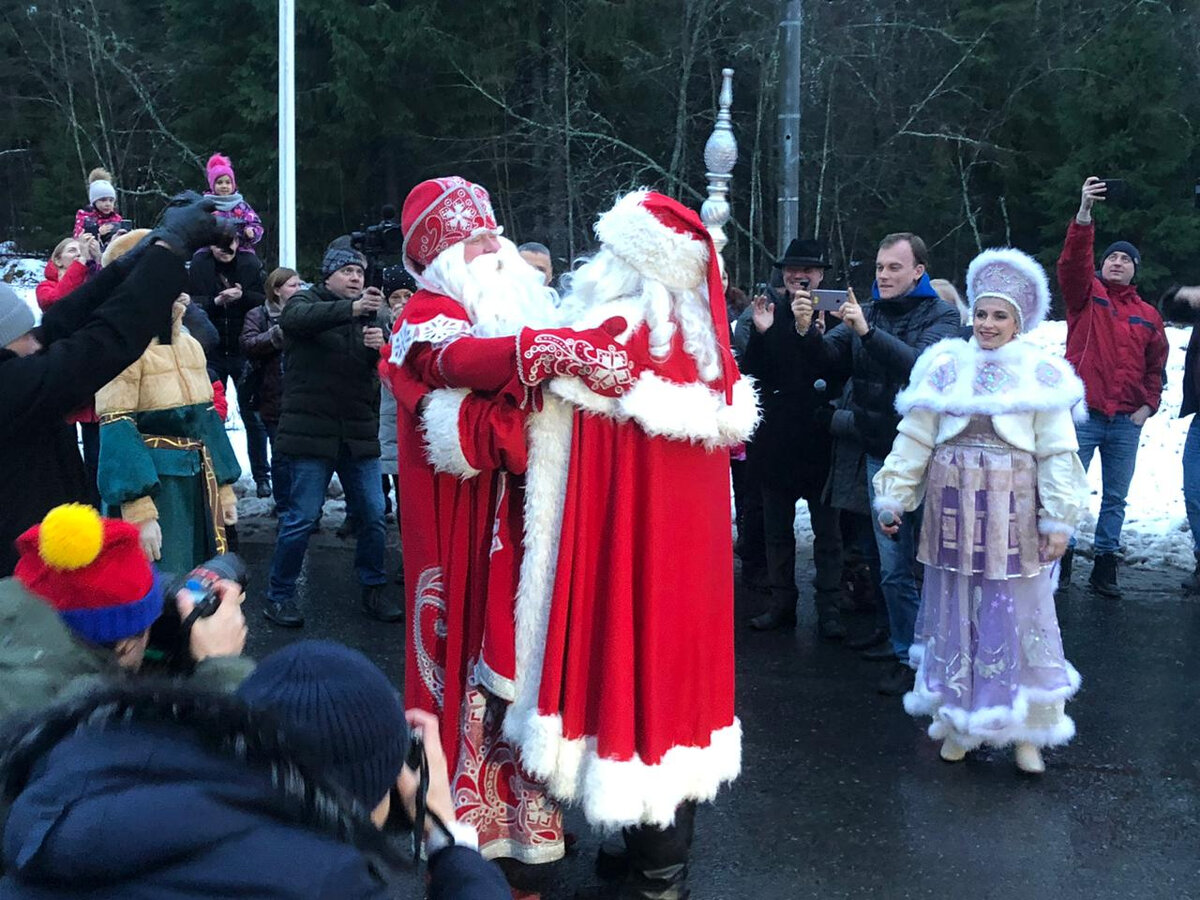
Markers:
<point>988,444</point>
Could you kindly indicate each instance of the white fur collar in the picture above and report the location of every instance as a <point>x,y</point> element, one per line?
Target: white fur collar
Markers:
<point>958,377</point>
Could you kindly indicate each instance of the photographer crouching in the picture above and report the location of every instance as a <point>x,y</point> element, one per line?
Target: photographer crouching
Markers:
<point>79,610</point>
<point>291,789</point>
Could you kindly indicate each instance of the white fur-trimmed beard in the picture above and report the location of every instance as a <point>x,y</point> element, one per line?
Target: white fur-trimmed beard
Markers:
<point>501,292</point>
<point>606,278</point>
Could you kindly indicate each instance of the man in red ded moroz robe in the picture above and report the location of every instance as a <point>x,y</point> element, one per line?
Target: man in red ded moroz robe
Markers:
<point>462,450</point>
<point>624,620</point>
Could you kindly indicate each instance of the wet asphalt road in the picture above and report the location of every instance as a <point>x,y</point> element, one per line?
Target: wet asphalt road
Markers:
<point>841,793</point>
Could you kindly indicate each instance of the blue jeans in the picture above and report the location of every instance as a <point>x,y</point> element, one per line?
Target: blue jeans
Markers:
<point>1116,437</point>
<point>309,477</point>
<point>1191,480</point>
<point>897,565</point>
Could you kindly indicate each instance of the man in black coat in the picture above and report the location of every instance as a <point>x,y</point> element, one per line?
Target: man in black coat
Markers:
<point>880,342</point>
<point>330,423</point>
<point>227,284</point>
<point>790,452</point>
<point>84,341</point>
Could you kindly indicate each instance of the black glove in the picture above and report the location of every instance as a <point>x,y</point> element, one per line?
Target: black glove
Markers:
<point>188,223</point>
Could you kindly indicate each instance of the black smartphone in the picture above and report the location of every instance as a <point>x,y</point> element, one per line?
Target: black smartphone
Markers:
<point>760,290</point>
<point>1116,191</point>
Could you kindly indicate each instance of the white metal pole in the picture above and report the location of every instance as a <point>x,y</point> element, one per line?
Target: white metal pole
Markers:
<point>287,133</point>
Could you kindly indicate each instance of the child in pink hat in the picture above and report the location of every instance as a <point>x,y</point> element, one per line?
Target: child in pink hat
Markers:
<point>222,188</point>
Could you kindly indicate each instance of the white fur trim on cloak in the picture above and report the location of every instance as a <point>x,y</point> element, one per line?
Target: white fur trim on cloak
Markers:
<point>957,377</point>
<point>681,412</point>
<point>613,793</point>
<point>1052,526</point>
<point>997,726</point>
<point>656,250</point>
<point>439,428</point>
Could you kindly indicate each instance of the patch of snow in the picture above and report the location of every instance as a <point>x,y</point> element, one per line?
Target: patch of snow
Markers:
<point>1156,531</point>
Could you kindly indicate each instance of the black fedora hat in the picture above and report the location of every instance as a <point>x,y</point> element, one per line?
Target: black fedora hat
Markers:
<point>803,252</point>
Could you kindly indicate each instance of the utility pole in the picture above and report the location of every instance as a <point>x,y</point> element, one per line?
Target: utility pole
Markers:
<point>287,133</point>
<point>788,202</point>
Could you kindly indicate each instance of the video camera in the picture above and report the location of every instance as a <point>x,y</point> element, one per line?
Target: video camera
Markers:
<point>170,637</point>
<point>378,241</point>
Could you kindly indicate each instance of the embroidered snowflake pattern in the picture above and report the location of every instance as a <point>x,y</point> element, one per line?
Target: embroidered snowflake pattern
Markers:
<point>943,377</point>
<point>1047,374</point>
<point>992,378</point>
<point>458,215</point>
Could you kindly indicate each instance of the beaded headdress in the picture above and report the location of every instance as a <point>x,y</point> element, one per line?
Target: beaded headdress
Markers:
<point>1011,275</point>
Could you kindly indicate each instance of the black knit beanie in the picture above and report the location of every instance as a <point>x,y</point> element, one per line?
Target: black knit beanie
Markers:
<point>1126,248</point>
<point>339,710</point>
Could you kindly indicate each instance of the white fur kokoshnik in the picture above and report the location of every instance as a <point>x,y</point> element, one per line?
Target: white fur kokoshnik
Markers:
<point>1008,274</point>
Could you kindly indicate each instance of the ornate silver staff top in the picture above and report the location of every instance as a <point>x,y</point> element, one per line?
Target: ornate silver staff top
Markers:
<point>720,155</point>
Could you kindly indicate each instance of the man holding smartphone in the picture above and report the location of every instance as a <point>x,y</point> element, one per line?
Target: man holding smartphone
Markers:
<point>879,345</point>
<point>792,454</point>
<point>1116,342</point>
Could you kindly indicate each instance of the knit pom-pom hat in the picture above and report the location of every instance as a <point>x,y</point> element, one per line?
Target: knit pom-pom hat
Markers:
<point>93,571</point>
<point>100,186</point>
<point>219,165</point>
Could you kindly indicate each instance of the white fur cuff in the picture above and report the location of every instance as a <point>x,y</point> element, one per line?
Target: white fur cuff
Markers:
<point>888,504</point>
<point>439,427</point>
<point>1050,526</point>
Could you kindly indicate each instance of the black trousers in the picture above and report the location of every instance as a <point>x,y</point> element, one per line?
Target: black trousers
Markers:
<point>779,516</point>
<point>747,500</point>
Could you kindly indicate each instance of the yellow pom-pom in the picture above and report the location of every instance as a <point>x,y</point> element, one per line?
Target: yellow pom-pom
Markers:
<point>71,536</point>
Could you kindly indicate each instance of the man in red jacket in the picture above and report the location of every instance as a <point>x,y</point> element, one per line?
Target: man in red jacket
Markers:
<point>1116,342</point>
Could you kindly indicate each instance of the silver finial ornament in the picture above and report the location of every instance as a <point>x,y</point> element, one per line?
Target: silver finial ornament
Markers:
<point>720,155</point>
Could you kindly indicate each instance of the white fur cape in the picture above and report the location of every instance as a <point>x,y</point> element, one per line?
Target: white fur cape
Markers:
<point>960,378</point>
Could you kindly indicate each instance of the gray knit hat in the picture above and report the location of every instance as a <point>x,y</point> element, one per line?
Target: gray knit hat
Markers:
<point>339,710</point>
<point>16,318</point>
<point>339,255</point>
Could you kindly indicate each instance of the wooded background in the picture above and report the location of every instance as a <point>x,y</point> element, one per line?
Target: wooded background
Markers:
<point>971,122</point>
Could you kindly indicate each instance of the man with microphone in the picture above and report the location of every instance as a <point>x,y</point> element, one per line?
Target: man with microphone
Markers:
<point>790,451</point>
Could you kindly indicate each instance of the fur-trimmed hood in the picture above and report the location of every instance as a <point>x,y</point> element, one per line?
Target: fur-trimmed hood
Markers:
<point>157,786</point>
<point>960,378</point>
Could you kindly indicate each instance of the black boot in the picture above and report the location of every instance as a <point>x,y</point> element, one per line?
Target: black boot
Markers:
<point>379,603</point>
<point>658,858</point>
<point>1104,575</point>
<point>1064,571</point>
<point>777,616</point>
<point>829,619</point>
<point>1191,584</point>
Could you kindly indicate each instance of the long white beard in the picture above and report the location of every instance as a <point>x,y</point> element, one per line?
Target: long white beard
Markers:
<point>606,278</point>
<point>501,292</point>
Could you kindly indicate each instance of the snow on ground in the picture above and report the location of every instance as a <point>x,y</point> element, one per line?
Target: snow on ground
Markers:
<point>1156,529</point>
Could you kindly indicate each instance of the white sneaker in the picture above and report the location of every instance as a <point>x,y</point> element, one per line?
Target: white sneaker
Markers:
<point>1029,759</point>
<point>952,751</point>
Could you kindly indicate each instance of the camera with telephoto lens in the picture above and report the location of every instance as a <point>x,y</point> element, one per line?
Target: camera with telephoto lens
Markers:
<point>170,636</point>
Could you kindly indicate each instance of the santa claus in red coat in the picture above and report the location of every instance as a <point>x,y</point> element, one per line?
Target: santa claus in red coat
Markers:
<point>624,689</point>
<point>462,407</point>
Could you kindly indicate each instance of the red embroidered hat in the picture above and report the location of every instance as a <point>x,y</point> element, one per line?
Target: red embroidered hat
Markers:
<point>440,213</point>
<point>93,571</point>
<point>666,241</point>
